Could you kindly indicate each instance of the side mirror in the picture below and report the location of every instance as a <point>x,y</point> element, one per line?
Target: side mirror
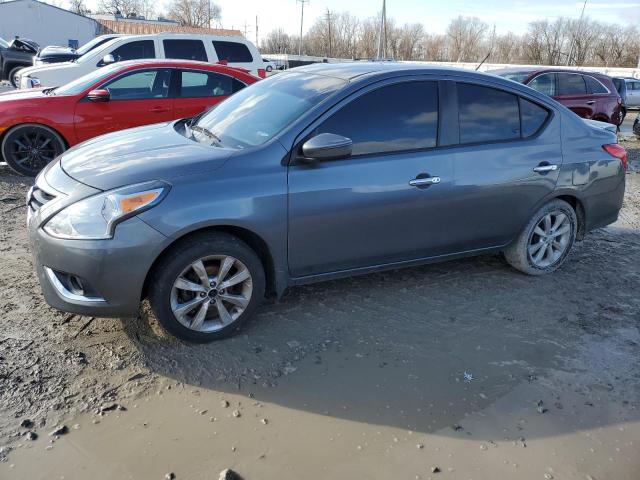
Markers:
<point>99,95</point>
<point>327,146</point>
<point>108,59</point>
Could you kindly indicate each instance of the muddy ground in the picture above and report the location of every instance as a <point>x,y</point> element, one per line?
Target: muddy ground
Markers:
<point>466,369</point>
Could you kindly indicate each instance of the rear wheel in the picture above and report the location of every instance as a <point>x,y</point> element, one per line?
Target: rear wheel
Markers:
<point>28,148</point>
<point>207,287</point>
<point>545,242</point>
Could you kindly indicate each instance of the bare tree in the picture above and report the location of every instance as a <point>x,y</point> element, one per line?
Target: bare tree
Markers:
<point>79,7</point>
<point>195,13</point>
<point>465,35</point>
<point>277,41</point>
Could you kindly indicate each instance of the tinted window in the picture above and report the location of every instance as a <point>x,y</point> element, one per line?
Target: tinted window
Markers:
<point>140,85</point>
<point>486,114</point>
<point>532,116</point>
<point>185,49</point>
<point>570,84</point>
<point>544,83</point>
<point>515,76</point>
<point>90,45</point>
<point>211,84</point>
<point>390,119</point>
<point>232,52</point>
<point>134,50</point>
<point>256,113</point>
<point>594,86</point>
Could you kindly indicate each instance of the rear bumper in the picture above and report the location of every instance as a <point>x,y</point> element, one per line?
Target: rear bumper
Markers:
<point>112,271</point>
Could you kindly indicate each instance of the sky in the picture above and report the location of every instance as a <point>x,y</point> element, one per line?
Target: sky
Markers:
<point>506,15</point>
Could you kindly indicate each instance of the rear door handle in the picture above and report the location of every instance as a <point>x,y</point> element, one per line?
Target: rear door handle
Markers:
<point>421,182</point>
<point>159,109</point>
<point>545,168</point>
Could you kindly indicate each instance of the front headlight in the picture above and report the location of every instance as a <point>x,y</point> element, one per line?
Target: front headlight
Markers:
<point>95,218</point>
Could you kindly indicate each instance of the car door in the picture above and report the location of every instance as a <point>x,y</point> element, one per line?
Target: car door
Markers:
<point>572,93</point>
<point>507,161</point>
<point>385,203</point>
<point>198,90</point>
<point>136,98</point>
<point>633,94</point>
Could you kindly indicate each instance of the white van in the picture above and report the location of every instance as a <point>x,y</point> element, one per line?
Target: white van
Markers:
<point>232,51</point>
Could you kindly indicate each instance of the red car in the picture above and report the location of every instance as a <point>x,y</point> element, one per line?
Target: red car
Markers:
<point>590,95</point>
<point>37,125</point>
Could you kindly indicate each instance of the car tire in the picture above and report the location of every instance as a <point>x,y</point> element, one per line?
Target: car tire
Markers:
<point>542,246</point>
<point>47,142</point>
<point>269,68</point>
<point>12,76</point>
<point>172,290</point>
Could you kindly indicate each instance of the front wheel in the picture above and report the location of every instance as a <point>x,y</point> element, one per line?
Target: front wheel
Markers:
<point>206,287</point>
<point>28,148</point>
<point>13,76</point>
<point>545,242</point>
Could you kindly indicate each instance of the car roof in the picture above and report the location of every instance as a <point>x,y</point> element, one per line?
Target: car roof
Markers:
<point>179,63</point>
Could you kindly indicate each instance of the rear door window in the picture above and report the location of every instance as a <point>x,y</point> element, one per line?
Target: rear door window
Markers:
<point>232,52</point>
<point>207,84</point>
<point>185,49</point>
<point>394,118</point>
<point>486,114</point>
<point>134,51</point>
<point>545,83</point>
<point>571,84</point>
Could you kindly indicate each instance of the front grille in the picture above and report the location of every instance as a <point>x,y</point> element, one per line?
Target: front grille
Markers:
<point>38,198</point>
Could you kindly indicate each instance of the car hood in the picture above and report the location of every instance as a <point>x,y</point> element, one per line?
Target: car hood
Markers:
<point>35,70</point>
<point>22,95</point>
<point>58,53</point>
<point>154,152</point>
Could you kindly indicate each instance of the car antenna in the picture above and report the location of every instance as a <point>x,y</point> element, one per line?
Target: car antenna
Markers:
<point>483,60</point>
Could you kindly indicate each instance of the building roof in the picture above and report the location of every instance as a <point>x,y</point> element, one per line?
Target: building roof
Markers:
<point>130,27</point>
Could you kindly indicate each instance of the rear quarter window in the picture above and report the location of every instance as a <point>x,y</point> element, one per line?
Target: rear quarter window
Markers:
<point>232,52</point>
<point>532,117</point>
<point>594,86</point>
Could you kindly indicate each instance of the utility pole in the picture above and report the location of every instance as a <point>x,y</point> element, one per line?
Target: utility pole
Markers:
<point>256,31</point>
<point>382,38</point>
<point>245,29</point>
<point>329,26</point>
<point>302,2</point>
<point>584,5</point>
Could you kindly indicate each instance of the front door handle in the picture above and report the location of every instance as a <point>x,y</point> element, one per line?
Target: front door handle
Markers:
<point>545,168</point>
<point>421,182</point>
<point>591,102</point>
<point>159,109</point>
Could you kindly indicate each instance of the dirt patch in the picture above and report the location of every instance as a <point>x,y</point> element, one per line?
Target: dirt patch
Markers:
<point>459,354</point>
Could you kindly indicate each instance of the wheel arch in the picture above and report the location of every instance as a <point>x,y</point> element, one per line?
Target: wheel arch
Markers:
<point>578,207</point>
<point>253,240</point>
<point>37,123</point>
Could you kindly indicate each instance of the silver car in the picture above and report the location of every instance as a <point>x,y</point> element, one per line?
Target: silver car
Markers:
<point>317,173</point>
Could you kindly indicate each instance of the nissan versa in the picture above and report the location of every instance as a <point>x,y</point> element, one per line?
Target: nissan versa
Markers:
<point>316,173</point>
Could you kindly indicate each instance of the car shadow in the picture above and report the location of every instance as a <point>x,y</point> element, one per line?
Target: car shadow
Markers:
<point>423,348</point>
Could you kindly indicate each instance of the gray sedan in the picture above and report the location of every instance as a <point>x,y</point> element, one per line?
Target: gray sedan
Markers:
<point>317,173</point>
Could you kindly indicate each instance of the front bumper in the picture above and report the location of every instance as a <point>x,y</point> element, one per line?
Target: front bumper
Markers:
<point>115,270</point>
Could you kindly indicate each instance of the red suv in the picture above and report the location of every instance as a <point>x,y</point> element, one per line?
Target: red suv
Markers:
<point>590,95</point>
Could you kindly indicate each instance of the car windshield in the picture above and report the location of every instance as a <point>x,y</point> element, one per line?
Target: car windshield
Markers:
<point>79,85</point>
<point>90,45</point>
<point>3,43</point>
<point>515,76</point>
<point>254,115</point>
<point>102,50</point>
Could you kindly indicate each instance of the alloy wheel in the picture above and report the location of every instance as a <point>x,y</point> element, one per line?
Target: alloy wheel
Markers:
<point>32,148</point>
<point>549,239</point>
<point>211,293</point>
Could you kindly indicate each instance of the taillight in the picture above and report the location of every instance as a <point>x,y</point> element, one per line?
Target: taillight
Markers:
<point>617,151</point>
<point>262,73</point>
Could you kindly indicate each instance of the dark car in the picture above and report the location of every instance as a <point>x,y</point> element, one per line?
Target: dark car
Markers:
<point>317,173</point>
<point>54,54</point>
<point>636,126</point>
<point>14,55</point>
<point>590,95</point>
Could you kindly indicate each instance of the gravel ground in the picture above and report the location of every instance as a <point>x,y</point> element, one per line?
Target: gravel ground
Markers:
<point>421,349</point>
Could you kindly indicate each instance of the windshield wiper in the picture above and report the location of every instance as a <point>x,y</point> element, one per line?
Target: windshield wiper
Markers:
<point>208,133</point>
